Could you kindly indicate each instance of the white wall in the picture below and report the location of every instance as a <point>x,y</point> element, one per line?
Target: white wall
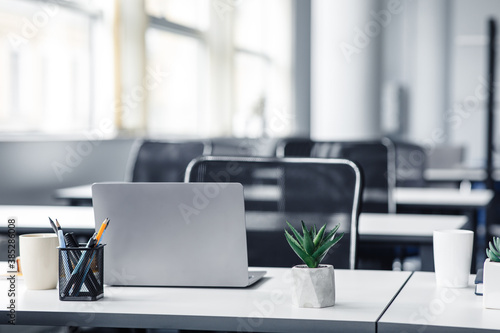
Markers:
<point>30,171</point>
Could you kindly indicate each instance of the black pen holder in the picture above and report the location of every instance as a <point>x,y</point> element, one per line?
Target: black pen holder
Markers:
<point>81,273</point>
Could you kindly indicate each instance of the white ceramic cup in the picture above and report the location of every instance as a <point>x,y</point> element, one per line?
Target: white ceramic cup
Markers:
<point>39,260</point>
<point>452,257</point>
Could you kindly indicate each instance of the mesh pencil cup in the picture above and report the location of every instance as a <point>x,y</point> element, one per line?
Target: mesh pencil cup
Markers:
<point>81,271</point>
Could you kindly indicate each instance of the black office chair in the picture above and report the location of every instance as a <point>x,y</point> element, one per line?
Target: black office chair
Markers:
<point>164,161</point>
<point>277,190</point>
<point>411,161</point>
<point>376,159</point>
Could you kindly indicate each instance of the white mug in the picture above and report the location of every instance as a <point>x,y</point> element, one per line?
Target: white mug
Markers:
<point>452,257</point>
<point>39,260</point>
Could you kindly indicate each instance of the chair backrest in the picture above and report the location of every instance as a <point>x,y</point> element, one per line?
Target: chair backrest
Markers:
<point>411,161</point>
<point>277,190</point>
<point>376,159</point>
<point>294,147</point>
<point>164,161</point>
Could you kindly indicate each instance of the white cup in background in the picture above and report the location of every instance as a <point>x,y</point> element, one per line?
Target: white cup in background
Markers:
<point>452,257</point>
<point>39,260</point>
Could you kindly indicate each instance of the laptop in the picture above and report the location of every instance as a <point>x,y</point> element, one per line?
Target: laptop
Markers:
<point>173,234</point>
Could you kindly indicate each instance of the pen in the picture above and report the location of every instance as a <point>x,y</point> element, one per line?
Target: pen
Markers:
<point>62,244</point>
<point>53,225</point>
<point>103,227</point>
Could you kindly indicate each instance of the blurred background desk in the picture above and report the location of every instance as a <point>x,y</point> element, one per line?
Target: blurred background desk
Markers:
<point>403,196</point>
<point>442,198</point>
<point>265,231</point>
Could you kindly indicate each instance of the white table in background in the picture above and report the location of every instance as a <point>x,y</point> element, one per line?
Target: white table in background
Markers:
<point>361,298</point>
<point>423,307</point>
<point>372,226</point>
<point>403,196</point>
<point>442,197</point>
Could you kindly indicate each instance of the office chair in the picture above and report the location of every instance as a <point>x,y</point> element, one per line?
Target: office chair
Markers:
<point>277,190</point>
<point>163,161</point>
<point>411,161</point>
<point>294,147</point>
<point>376,159</point>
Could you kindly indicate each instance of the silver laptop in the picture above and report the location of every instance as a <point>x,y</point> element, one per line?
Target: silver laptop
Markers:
<point>173,234</point>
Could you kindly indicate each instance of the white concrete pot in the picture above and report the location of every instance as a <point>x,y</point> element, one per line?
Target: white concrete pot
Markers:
<point>313,287</point>
<point>491,284</point>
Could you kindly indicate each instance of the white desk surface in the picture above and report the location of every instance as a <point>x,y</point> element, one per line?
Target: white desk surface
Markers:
<point>361,298</point>
<point>476,198</point>
<point>412,226</point>
<point>458,174</point>
<point>75,192</point>
<point>422,307</point>
<point>371,225</point>
<point>37,217</point>
<point>84,192</point>
<point>442,197</point>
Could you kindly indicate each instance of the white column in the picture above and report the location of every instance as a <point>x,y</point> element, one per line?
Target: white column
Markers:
<point>345,68</point>
<point>429,93</point>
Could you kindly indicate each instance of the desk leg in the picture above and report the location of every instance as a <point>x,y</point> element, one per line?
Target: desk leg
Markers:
<point>427,258</point>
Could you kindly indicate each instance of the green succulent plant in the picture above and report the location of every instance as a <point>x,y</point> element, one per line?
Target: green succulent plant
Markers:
<point>494,251</point>
<point>313,245</point>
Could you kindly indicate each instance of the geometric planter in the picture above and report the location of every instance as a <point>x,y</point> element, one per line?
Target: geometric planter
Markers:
<point>313,287</point>
<point>491,284</point>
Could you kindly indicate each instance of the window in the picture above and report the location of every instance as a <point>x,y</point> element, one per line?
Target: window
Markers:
<point>262,49</point>
<point>176,42</point>
<point>47,65</point>
<point>245,91</point>
<point>69,65</point>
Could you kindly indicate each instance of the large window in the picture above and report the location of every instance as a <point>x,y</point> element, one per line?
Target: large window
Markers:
<point>69,65</point>
<point>252,43</point>
<point>262,68</point>
<point>176,42</point>
<point>47,66</point>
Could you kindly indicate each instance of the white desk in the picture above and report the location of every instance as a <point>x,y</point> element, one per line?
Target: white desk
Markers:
<point>442,197</point>
<point>361,298</point>
<point>422,307</point>
<point>430,197</point>
<point>371,226</point>
<point>458,174</point>
<point>406,227</point>
<point>36,218</point>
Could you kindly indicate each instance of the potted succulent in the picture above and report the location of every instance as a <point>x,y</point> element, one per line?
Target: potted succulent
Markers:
<point>313,284</point>
<point>491,276</point>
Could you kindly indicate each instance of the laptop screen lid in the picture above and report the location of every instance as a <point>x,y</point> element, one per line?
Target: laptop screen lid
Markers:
<point>173,234</point>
